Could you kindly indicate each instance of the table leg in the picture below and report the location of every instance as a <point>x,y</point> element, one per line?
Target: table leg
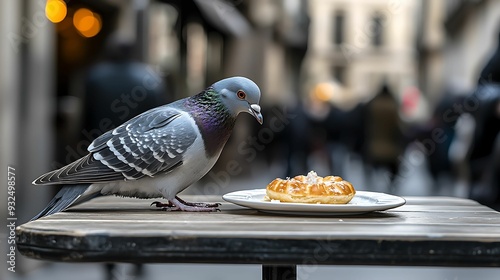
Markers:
<point>279,272</point>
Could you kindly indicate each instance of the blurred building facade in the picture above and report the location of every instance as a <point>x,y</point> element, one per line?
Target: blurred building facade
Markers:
<point>359,45</point>
<point>455,41</point>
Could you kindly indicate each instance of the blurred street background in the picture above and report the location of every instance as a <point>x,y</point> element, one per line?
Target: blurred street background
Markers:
<point>395,96</point>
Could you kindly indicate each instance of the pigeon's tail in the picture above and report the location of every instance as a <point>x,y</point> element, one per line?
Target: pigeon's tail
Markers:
<point>69,195</point>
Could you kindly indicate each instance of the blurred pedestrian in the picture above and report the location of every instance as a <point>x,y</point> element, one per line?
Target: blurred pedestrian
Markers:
<point>119,88</point>
<point>320,131</point>
<point>483,160</point>
<point>383,135</point>
<point>295,141</point>
<point>436,137</point>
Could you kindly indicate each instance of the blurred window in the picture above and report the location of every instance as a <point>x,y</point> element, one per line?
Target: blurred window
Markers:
<point>338,28</point>
<point>339,74</point>
<point>377,27</point>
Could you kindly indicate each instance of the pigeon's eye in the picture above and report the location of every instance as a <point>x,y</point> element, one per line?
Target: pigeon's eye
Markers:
<point>241,94</point>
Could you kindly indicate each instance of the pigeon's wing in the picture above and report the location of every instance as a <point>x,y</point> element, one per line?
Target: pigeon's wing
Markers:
<point>151,143</point>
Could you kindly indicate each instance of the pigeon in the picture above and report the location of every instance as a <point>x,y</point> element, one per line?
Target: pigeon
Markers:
<point>158,153</point>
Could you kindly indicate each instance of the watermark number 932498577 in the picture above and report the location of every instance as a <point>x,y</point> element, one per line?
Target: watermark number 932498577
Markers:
<point>11,218</point>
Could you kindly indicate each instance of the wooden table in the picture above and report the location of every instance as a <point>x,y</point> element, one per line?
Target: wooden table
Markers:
<point>427,231</point>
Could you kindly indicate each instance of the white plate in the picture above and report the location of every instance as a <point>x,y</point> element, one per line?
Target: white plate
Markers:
<point>362,202</point>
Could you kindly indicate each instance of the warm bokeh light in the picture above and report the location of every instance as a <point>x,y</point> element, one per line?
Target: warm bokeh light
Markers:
<point>55,10</point>
<point>323,91</point>
<point>86,22</point>
<point>83,19</point>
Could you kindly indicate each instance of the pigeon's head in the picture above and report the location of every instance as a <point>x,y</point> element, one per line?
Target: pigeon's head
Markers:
<point>240,94</point>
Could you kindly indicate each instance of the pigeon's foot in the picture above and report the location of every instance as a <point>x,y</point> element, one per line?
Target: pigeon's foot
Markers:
<point>198,204</point>
<point>178,204</point>
<point>159,204</point>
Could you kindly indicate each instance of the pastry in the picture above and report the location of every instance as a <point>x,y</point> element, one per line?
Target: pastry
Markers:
<point>311,189</point>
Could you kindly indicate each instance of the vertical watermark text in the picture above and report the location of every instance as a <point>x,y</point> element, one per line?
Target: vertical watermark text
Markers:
<point>11,219</point>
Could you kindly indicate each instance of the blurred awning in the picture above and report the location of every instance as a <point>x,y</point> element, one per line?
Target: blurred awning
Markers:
<point>220,15</point>
<point>224,16</point>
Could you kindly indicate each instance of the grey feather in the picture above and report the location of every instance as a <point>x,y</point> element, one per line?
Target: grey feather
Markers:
<point>66,197</point>
<point>148,144</point>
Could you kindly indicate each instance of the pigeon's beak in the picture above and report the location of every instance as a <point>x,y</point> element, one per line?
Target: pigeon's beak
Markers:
<point>255,111</point>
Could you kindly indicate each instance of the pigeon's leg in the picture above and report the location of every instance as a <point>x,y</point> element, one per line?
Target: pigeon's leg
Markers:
<point>198,204</point>
<point>180,206</point>
<point>160,204</point>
